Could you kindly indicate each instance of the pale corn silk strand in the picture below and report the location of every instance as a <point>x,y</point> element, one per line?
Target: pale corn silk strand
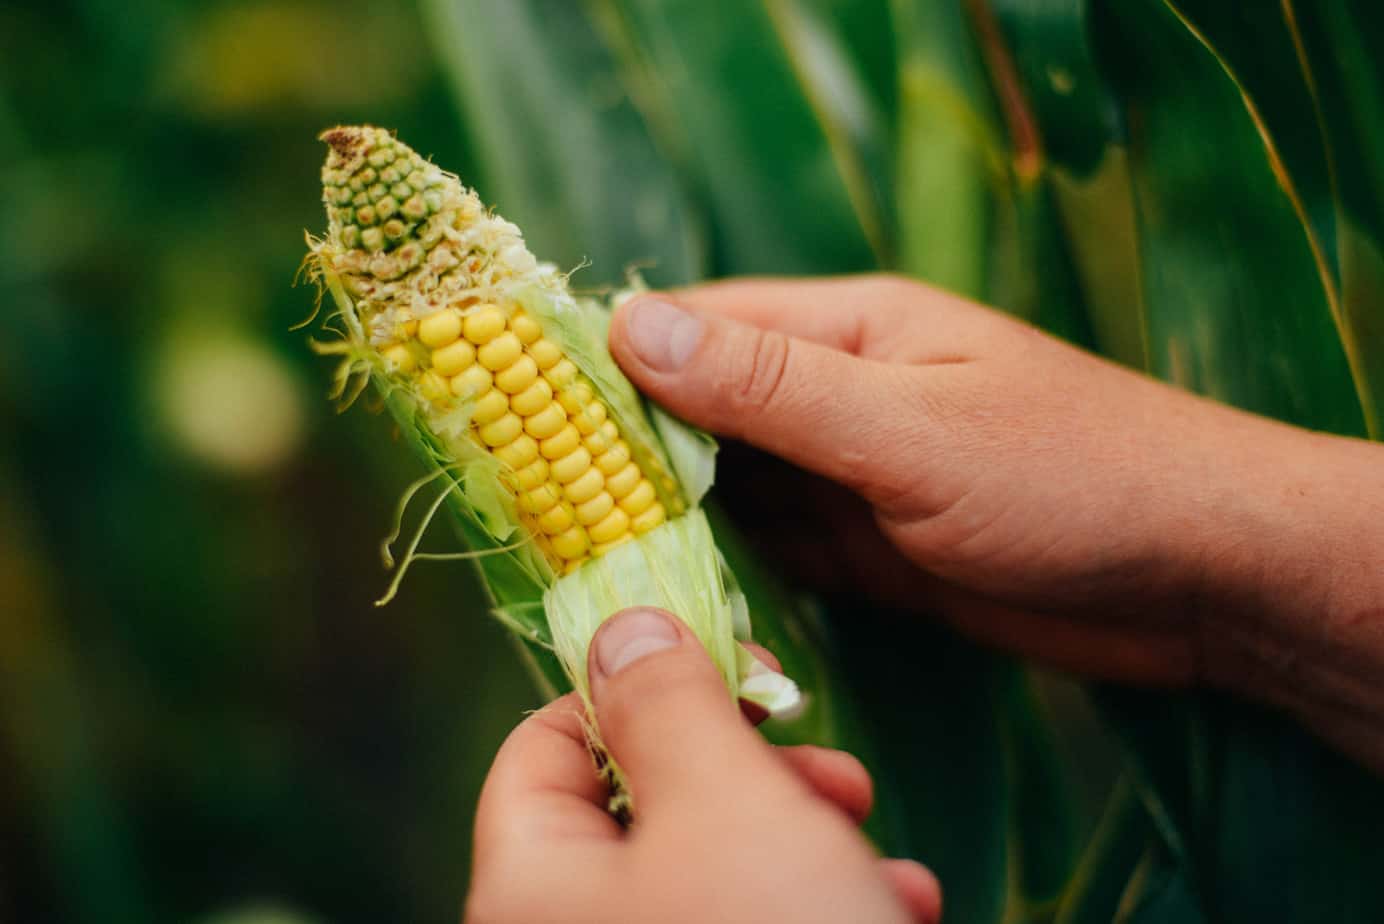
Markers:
<point>503,380</point>
<point>411,553</point>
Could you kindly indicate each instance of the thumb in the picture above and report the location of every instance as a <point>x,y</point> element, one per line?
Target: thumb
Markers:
<point>822,409</point>
<point>666,715</point>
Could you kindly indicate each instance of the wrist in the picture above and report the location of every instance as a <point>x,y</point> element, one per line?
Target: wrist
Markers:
<point>1291,589</point>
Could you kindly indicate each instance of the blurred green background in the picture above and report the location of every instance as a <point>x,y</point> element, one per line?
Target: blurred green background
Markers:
<point>199,706</point>
<point>202,716</point>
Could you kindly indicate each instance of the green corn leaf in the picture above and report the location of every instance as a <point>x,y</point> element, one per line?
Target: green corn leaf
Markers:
<point>1032,274</point>
<point>1097,211</point>
<point>1103,874</point>
<point>865,29</point>
<point>1161,894</point>
<point>564,150</point>
<point>1317,855</point>
<point>857,125</point>
<point>1339,44</point>
<point>949,149</point>
<point>1235,305</point>
<point>1043,814</point>
<point>769,154</point>
<point>1060,80</point>
<point>1169,760</point>
<point>1306,66</point>
<point>941,772</point>
<point>1085,167</point>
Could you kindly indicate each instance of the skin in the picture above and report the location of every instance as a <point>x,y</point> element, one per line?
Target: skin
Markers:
<point>729,829</point>
<point>1039,498</point>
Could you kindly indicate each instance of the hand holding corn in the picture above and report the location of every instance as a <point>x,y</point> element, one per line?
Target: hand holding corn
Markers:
<point>731,830</point>
<point>1041,498</point>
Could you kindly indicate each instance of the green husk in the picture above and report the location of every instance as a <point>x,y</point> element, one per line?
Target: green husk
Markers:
<point>675,567</point>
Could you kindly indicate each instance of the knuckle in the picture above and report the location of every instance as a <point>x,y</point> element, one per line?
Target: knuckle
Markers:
<point>760,371</point>
<point>892,288</point>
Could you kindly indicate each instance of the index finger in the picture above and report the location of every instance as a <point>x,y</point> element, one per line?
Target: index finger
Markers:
<point>543,784</point>
<point>810,309</point>
<point>859,315</point>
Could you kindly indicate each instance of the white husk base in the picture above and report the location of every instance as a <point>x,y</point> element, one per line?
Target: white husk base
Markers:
<point>676,568</point>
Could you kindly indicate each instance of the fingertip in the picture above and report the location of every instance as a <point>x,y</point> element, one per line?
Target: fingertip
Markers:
<point>835,776</point>
<point>917,887</point>
<point>654,332</point>
<point>764,656</point>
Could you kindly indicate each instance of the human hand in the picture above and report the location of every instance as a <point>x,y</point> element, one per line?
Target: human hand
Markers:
<point>727,828</point>
<point>1041,498</point>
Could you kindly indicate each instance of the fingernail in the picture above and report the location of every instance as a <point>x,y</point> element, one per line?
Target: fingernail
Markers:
<point>629,636</point>
<point>662,334</point>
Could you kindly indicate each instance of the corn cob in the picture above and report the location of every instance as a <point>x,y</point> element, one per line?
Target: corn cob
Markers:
<point>406,234</point>
<point>502,379</point>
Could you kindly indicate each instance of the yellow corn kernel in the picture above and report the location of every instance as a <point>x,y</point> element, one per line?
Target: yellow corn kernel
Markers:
<point>408,330</point>
<point>624,481</point>
<point>640,499</point>
<point>560,443</point>
<point>533,399</point>
<point>585,486</point>
<point>546,422</point>
<point>602,439</point>
<point>609,529</point>
<point>489,408</point>
<point>531,475</point>
<point>399,358</point>
<point>503,431</point>
<point>614,458</point>
<point>595,510</point>
<point>561,375</point>
<point>472,382</point>
<point>525,327</point>
<point>520,374</point>
<point>539,500</point>
<point>546,353</point>
<point>455,357</point>
<point>519,452</point>
<point>590,418</point>
<point>483,324</point>
<point>557,520</point>
<point>570,544</point>
<point>501,352</point>
<point>575,397</point>
<point>573,564</point>
<point>433,386</point>
<point>440,328</point>
<point>571,466</point>
<point>647,520</point>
